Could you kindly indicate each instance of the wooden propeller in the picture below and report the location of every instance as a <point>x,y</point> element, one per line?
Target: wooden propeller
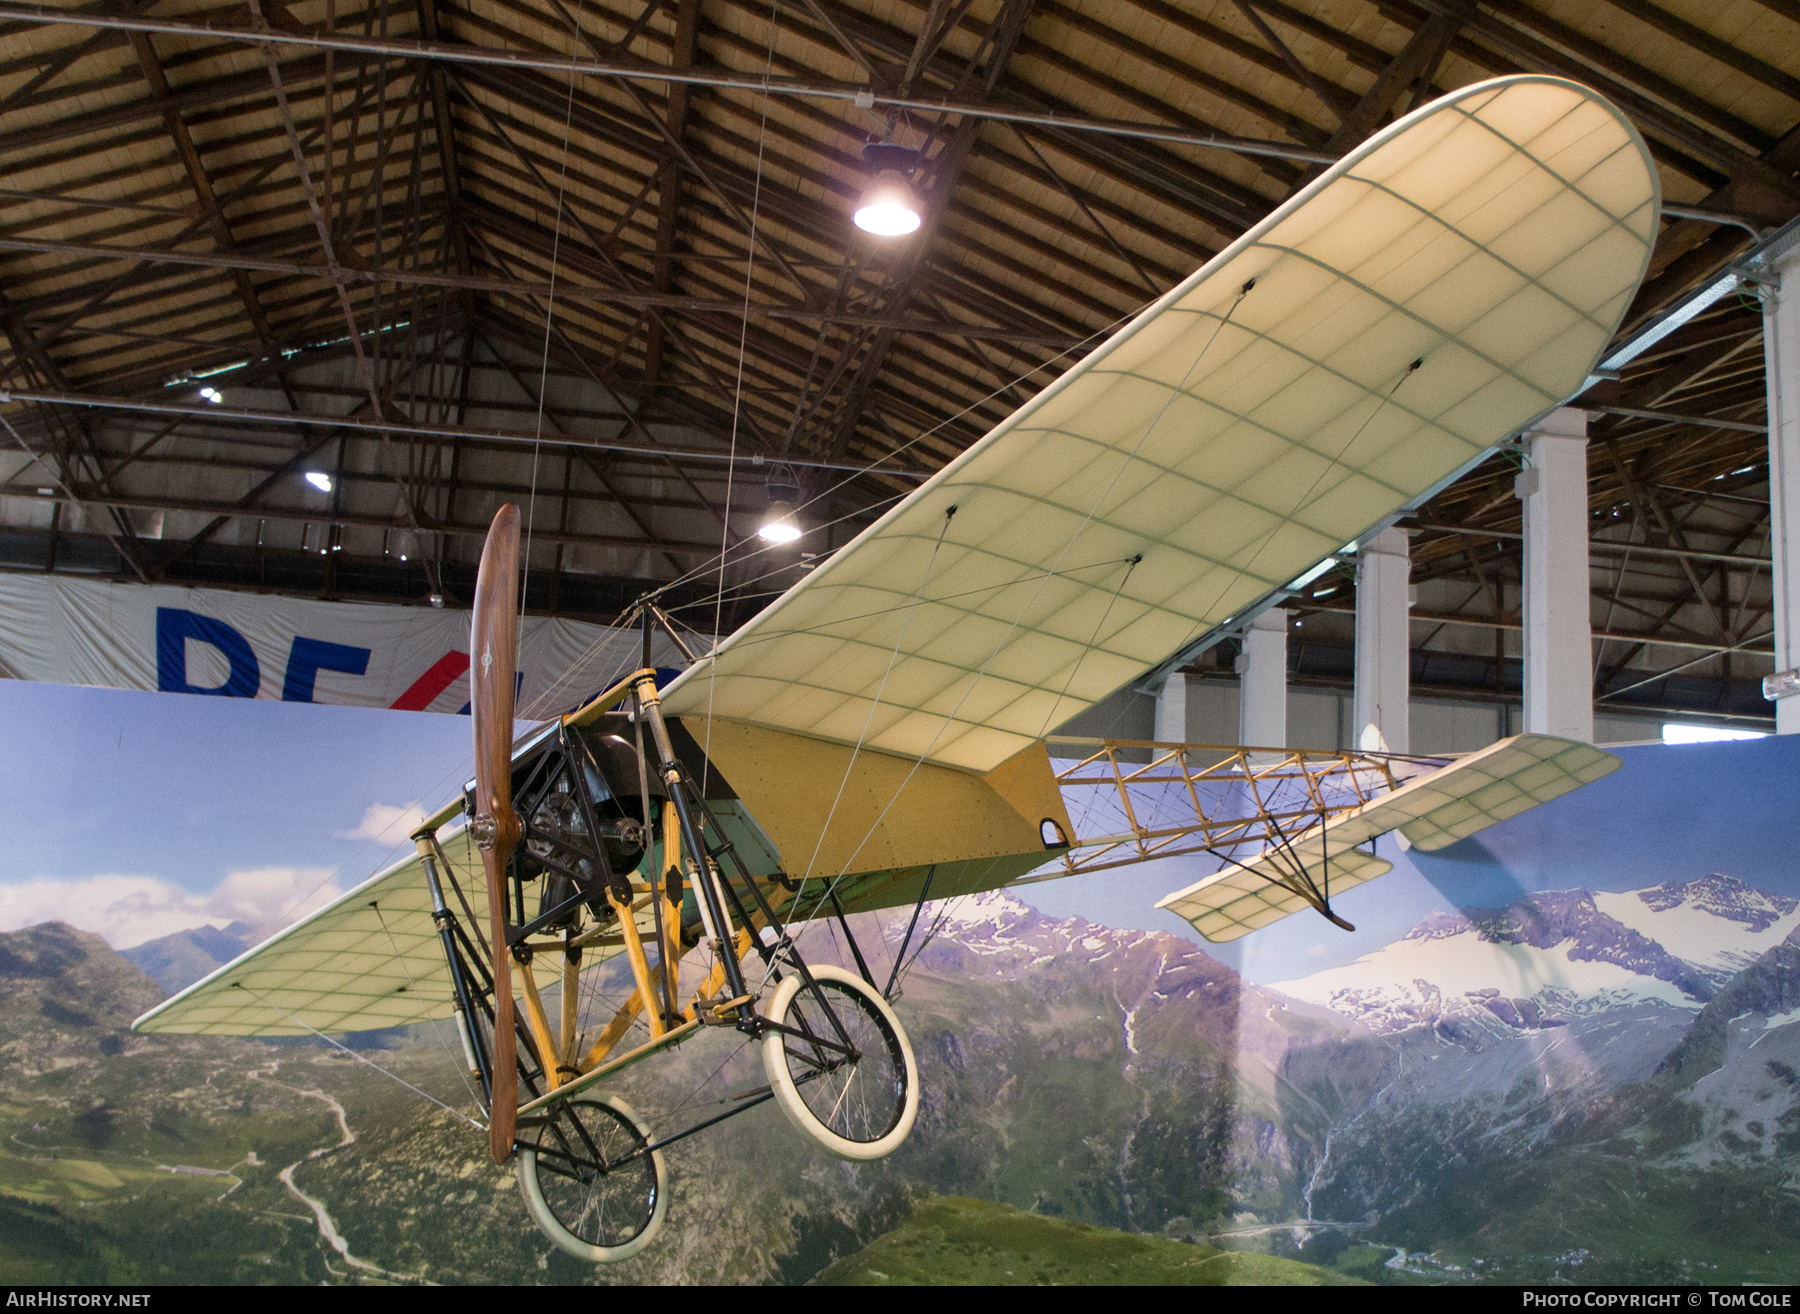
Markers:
<point>493,641</point>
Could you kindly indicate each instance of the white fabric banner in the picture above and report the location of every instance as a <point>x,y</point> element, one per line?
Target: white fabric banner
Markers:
<point>248,645</point>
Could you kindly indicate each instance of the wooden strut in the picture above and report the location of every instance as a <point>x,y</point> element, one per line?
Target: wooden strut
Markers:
<point>646,994</point>
<point>640,968</point>
<point>671,949</point>
<point>570,1010</point>
<point>1312,771</point>
<point>715,1002</point>
<point>708,894</point>
<point>537,1021</point>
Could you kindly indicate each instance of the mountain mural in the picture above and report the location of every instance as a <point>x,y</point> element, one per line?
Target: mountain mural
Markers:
<point>1602,1085</point>
<point>176,961</point>
<point>1558,955</point>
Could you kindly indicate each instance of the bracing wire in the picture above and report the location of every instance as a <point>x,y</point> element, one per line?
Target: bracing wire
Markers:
<point>874,466</point>
<point>1006,638</point>
<point>912,610</point>
<point>999,647</point>
<point>941,598</point>
<point>737,400</point>
<point>413,986</point>
<point>360,1058</point>
<point>1093,639</point>
<point>1303,501</point>
<point>537,437</point>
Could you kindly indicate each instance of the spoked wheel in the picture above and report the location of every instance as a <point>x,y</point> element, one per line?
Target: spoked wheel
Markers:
<point>857,1102</point>
<point>588,1182</point>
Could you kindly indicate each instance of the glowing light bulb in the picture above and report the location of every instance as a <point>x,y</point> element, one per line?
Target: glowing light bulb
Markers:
<point>888,208</point>
<point>779,524</point>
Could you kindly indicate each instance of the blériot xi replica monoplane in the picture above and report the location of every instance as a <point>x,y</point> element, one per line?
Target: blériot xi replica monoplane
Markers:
<point>880,736</point>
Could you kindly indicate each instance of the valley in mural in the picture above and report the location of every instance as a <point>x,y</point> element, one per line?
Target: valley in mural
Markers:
<point>1595,1086</point>
<point>1568,1049</point>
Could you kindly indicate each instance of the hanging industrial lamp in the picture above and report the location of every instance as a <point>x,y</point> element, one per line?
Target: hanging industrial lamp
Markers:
<point>780,522</point>
<point>889,207</point>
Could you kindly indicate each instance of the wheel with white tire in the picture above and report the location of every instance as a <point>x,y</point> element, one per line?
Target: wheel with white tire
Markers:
<point>590,1180</point>
<point>845,1077</point>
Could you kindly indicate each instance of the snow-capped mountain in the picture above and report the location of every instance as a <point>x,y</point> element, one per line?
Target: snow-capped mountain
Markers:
<point>1557,956</point>
<point>1717,923</point>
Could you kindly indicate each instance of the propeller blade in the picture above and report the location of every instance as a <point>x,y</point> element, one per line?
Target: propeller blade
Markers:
<point>493,641</point>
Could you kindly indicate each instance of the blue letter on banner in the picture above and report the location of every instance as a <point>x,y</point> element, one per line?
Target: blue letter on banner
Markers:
<point>310,656</point>
<point>174,627</point>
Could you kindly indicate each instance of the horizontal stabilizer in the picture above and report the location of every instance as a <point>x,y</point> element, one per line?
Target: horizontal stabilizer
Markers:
<point>1431,811</point>
<point>1241,899</point>
<point>1500,781</point>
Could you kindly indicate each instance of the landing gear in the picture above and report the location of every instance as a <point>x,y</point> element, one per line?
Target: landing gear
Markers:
<point>590,1180</point>
<point>856,1099</point>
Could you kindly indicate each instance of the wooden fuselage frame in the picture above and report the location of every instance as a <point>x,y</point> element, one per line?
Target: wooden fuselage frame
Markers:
<point>854,830</point>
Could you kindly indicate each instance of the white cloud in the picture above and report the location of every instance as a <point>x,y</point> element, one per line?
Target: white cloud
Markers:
<point>272,896</point>
<point>384,821</point>
<point>128,910</point>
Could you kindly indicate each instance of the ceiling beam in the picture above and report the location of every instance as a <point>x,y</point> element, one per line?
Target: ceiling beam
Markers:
<point>245,260</point>
<point>668,178</point>
<point>997,45</point>
<point>1425,617</point>
<point>383,427</point>
<point>812,88</point>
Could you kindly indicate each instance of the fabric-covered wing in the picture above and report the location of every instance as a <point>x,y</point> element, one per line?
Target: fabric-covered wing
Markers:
<point>367,960</point>
<point>1432,811</point>
<point>1240,899</point>
<point>1500,781</point>
<point>1224,441</point>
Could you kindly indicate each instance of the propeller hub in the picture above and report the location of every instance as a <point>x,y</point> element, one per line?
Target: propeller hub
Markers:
<point>484,829</point>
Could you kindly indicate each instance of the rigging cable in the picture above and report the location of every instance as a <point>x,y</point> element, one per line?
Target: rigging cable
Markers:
<point>1018,620</point>
<point>873,467</point>
<point>737,401</point>
<point>456,1060</point>
<point>912,610</point>
<point>359,1057</point>
<point>1303,502</point>
<point>537,437</point>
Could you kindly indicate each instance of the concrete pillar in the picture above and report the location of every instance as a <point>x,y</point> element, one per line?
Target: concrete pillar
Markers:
<point>1171,709</point>
<point>1559,648</point>
<point>1383,644</point>
<point>1262,688</point>
<point>1781,363</point>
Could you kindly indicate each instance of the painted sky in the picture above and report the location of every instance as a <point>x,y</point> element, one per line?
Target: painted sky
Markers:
<point>143,813</point>
<point>138,813</point>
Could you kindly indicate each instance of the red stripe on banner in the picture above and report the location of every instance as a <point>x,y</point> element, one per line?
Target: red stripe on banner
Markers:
<point>444,672</point>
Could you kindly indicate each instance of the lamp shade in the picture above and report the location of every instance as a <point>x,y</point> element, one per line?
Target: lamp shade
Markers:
<point>888,208</point>
<point>779,524</point>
